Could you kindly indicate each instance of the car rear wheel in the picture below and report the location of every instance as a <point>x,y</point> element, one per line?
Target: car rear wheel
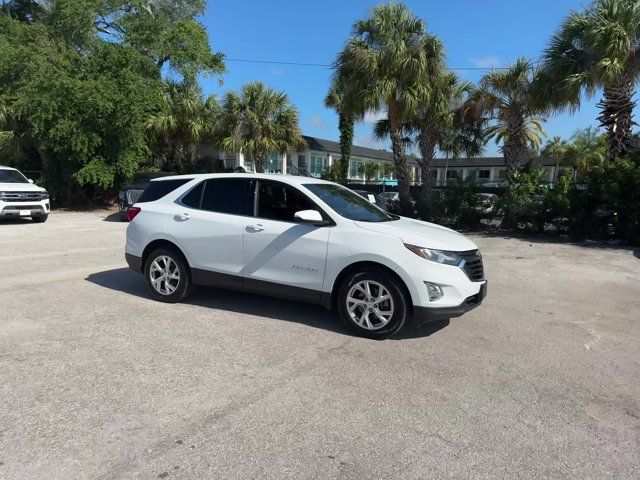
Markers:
<point>167,275</point>
<point>372,304</point>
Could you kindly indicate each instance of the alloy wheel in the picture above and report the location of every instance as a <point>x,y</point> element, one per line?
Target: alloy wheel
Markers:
<point>370,305</point>
<point>164,275</point>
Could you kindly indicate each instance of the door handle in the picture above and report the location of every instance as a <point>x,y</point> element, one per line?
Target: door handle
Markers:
<point>255,228</point>
<point>182,216</point>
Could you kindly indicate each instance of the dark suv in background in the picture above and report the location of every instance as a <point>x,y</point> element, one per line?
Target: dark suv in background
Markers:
<point>129,194</point>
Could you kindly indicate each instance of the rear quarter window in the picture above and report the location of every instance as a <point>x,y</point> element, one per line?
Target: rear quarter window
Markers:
<point>159,188</point>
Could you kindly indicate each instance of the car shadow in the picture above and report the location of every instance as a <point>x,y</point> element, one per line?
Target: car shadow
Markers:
<point>128,282</point>
<point>113,217</point>
<point>16,221</point>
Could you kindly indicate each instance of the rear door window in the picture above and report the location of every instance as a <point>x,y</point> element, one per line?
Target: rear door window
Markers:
<point>229,195</point>
<point>194,196</point>
<point>159,188</point>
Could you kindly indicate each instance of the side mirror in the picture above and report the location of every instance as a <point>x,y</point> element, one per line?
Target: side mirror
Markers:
<point>30,181</point>
<point>312,217</point>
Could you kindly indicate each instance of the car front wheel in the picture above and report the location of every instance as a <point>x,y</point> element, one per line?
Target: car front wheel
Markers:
<point>167,275</point>
<point>372,304</point>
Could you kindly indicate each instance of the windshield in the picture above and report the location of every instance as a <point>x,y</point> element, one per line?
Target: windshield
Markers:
<point>349,204</point>
<point>12,176</point>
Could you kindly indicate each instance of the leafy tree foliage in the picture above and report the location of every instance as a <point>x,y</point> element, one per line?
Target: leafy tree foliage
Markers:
<point>597,48</point>
<point>185,120</point>
<point>508,98</point>
<point>78,81</point>
<point>386,65</point>
<point>259,121</point>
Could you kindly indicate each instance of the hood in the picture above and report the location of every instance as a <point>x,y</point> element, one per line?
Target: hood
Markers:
<point>422,234</point>
<point>20,187</point>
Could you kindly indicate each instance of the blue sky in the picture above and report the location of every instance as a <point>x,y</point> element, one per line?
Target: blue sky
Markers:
<point>475,33</point>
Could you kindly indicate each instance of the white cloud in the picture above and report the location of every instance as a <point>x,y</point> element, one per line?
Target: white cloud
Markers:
<point>317,122</point>
<point>487,62</point>
<point>275,71</point>
<point>373,117</point>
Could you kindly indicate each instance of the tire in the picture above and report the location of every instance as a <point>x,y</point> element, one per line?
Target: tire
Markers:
<point>176,289</point>
<point>379,326</point>
<point>39,218</point>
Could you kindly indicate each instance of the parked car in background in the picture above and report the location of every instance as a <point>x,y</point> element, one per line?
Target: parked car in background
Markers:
<point>305,239</point>
<point>487,202</point>
<point>387,200</point>
<point>368,195</point>
<point>19,197</point>
<point>130,193</point>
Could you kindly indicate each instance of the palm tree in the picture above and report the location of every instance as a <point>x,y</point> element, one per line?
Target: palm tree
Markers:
<point>597,48</point>
<point>184,121</point>
<point>443,123</point>
<point>385,66</point>
<point>507,96</point>
<point>586,152</point>
<point>259,121</point>
<point>346,121</point>
<point>555,148</point>
<point>370,170</point>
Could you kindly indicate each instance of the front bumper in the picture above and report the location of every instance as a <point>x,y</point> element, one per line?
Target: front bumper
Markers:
<point>24,209</point>
<point>422,315</point>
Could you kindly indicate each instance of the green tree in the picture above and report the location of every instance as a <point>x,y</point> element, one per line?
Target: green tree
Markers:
<point>555,148</point>
<point>79,83</point>
<point>443,122</point>
<point>259,121</point>
<point>370,169</point>
<point>185,120</point>
<point>385,66</point>
<point>587,152</point>
<point>507,96</point>
<point>346,121</point>
<point>597,48</point>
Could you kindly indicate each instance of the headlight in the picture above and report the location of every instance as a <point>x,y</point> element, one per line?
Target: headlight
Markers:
<point>44,195</point>
<point>438,256</point>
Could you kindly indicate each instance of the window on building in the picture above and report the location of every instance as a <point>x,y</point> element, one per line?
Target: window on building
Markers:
<point>452,174</point>
<point>502,173</point>
<point>273,164</point>
<point>355,169</point>
<point>229,195</point>
<point>484,174</point>
<point>316,165</point>
<point>277,201</point>
<point>302,162</point>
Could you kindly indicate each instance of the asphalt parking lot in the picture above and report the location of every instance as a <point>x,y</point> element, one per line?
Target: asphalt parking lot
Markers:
<point>100,382</point>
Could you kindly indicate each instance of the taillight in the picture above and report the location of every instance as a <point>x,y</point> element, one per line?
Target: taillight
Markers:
<point>132,212</point>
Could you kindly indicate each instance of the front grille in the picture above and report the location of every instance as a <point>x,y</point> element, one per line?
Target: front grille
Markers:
<point>133,196</point>
<point>22,207</point>
<point>21,196</point>
<point>473,266</point>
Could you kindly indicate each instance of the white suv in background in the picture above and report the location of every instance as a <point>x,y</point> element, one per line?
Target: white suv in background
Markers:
<point>304,239</point>
<point>19,197</point>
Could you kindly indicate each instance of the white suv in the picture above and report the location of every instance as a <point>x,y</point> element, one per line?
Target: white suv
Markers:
<point>304,239</point>
<point>19,197</point>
